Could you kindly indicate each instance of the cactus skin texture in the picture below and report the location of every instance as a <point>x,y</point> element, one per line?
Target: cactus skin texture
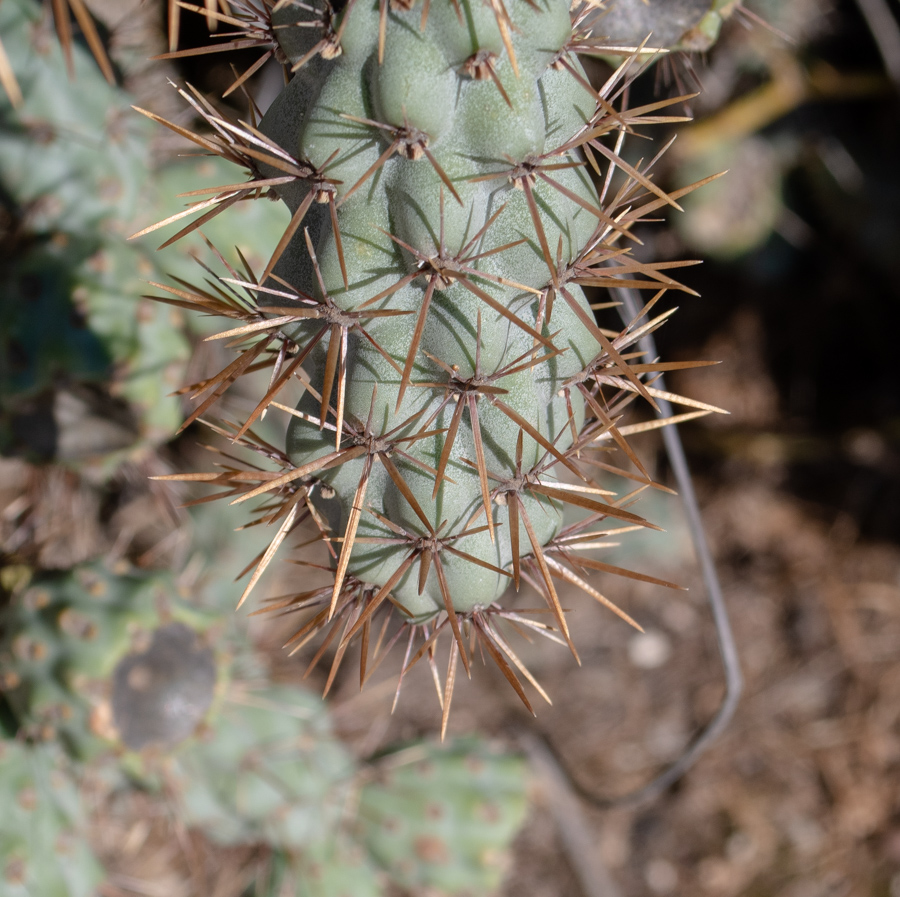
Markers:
<point>443,821</point>
<point>266,769</point>
<point>108,670</point>
<point>270,770</point>
<point>439,166</point>
<point>101,661</point>
<point>42,847</point>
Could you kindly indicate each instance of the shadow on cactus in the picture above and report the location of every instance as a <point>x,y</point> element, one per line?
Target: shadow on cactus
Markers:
<point>456,184</point>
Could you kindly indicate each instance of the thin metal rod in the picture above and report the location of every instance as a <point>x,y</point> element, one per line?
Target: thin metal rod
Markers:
<point>727,649</point>
<point>734,681</point>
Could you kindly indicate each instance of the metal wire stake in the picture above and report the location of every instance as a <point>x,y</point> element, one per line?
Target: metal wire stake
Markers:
<point>727,650</point>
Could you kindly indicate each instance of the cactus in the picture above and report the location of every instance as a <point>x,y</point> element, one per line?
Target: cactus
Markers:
<point>65,329</point>
<point>267,769</point>
<point>73,155</point>
<point>74,165</point>
<point>87,666</point>
<point>329,868</point>
<point>443,821</point>
<point>42,845</point>
<point>10,83</point>
<point>102,661</point>
<point>270,770</point>
<point>428,296</point>
<point>735,216</point>
<point>116,665</point>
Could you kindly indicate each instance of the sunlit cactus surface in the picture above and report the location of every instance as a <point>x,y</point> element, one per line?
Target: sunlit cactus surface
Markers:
<point>456,182</point>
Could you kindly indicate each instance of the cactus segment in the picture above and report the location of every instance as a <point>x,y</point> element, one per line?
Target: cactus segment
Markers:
<point>259,766</point>
<point>74,153</point>
<point>42,845</point>
<point>444,820</point>
<point>102,661</point>
<point>734,218</point>
<point>74,165</point>
<point>267,769</point>
<point>65,329</point>
<point>337,867</point>
<point>439,165</point>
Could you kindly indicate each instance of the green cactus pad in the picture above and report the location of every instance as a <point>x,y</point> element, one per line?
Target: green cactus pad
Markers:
<point>106,661</point>
<point>337,867</point>
<point>445,820</point>
<point>267,769</point>
<point>42,845</point>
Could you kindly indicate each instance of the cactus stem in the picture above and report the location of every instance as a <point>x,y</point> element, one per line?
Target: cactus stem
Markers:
<point>466,392</point>
<point>456,269</point>
<point>393,553</point>
<point>373,447</point>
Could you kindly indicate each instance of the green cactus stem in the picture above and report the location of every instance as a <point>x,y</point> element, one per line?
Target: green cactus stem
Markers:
<point>428,297</point>
<point>105,662</point>
<point>43,849</point>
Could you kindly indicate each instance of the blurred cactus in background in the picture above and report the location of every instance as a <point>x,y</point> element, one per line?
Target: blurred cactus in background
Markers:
<point>133,685</point>
<point>74,170</point>
<point>42,844</point>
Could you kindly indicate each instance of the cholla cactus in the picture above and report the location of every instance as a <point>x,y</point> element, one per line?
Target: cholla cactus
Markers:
<point>440,167</point>
<point>270,769</point>
<point>443,821</point>
<point>74,168</point>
